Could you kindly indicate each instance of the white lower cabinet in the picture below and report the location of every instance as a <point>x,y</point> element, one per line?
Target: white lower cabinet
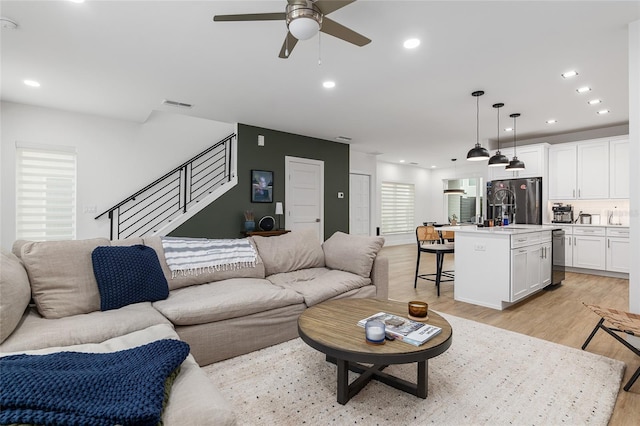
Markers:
<point>618,250</point>
<point>530,265</point>
<point>568,250</point>
<point>589,248</point>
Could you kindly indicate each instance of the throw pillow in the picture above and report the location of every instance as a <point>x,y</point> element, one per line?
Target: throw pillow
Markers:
<point>15,293</point>
<point>61,276</point>
<point>128,274</point>
<point>290,252</point>
<point>352,253</point>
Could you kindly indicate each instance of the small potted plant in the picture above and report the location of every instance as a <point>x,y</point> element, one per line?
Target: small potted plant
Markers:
<point>249,221</point>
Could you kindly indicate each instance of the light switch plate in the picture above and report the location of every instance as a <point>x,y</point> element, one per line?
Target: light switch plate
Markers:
<point>340,194</point>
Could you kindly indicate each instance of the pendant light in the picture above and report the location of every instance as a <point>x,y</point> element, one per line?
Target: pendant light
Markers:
<point>478,153</point>
<point>498,159</point>
<point>454,191</point>
<point>515,164</point>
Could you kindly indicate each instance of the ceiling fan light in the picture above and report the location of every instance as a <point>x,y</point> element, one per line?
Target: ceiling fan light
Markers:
<point>304,28</point>
<point>498,160</point>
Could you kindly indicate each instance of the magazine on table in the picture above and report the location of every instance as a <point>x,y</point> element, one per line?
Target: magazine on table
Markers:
<point>404,329</point>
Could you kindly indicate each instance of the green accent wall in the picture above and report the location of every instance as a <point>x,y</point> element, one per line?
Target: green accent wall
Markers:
<point>224,218</point>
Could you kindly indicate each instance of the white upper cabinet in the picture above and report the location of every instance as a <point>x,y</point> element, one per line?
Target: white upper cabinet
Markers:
<point>563,172</point>
<point>533,157</point>
<point>593,170</point>
<point>619,168</point>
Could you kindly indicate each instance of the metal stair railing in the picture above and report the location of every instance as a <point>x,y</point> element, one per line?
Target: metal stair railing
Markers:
<point>171,195</point>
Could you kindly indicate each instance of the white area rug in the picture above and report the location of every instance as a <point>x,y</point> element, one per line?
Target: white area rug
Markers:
<point>488,376</point>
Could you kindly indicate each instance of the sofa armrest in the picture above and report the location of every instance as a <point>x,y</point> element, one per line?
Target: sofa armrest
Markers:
<point>380,276</point>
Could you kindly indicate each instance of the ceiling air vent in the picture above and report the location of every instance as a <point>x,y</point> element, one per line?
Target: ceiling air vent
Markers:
<point>176,104</point>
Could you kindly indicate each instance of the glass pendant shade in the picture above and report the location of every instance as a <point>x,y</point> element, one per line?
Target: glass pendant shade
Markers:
<point>478,153</point>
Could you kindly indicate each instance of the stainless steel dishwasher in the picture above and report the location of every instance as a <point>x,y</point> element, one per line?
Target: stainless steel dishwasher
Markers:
<point>557,253</point>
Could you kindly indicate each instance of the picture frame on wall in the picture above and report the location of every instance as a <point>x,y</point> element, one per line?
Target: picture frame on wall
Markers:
<point>261,186</point>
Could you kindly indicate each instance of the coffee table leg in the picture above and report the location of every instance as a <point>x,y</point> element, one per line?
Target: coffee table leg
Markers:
<point>423,376</point>
<point>343,381</point>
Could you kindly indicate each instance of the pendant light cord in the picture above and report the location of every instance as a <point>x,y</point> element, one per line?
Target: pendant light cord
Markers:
<point>515,154</point>
<point>498,110</point>
<point>477,120</point>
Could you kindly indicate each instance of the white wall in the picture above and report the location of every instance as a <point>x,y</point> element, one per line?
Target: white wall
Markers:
<point>115,157</point>
<point>634,157</point>
<point>366,164</point>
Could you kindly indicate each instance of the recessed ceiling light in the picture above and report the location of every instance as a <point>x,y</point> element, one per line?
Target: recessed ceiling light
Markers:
<point>552,121</point>
<point>8,24</point>
<point>433,167</point>
<point>343,138</point>
<point>402,161</point>
<point>569,74</point>
<point>583,89</point>
<point>603,111</point>
<point>508,129</point>
<point>411,43</point>
<point>32,83</point>
<point>594,101</point>
<point>329,84</point>
<point>76,1</point>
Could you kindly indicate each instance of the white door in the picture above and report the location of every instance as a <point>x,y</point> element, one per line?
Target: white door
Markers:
<point>304,195</point>
<point>359,204</point>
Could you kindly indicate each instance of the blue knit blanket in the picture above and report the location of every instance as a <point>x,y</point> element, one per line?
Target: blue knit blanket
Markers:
<point>76,388</point>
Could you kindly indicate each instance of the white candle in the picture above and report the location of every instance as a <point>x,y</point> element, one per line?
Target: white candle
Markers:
<point>374,331</point>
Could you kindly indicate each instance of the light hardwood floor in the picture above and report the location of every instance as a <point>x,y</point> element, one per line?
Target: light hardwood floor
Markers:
<point>554,315</point>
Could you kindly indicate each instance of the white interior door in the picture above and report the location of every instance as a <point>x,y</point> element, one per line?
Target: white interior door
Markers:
<point>304,195</point>
<point>359,204</point>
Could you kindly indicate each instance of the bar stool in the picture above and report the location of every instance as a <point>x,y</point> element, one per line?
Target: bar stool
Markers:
<point>439,249</point>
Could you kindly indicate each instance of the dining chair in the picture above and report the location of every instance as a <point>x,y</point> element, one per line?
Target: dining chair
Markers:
<point>430,241</point>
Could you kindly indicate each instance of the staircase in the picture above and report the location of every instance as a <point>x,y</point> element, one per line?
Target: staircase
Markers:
<point>171,200</point>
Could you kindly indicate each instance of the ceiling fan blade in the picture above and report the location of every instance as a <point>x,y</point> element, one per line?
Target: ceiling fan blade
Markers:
<point>328,6</point>
<point>278,16</point>
<point>289,43</point>
<point>340,31</point>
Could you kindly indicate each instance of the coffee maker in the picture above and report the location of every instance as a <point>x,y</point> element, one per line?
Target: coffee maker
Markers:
<point>562,214</point>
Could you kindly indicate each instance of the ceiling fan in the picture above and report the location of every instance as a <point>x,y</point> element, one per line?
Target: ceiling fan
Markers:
<point>304,19</point>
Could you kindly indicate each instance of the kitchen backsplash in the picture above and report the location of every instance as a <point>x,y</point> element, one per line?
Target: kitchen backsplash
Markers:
<point>600,210</point>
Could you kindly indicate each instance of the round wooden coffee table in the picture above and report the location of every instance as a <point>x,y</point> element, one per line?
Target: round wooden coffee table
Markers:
<point>331,327</point>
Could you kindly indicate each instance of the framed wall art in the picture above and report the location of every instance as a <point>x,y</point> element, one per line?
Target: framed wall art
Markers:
<point>261,186</point>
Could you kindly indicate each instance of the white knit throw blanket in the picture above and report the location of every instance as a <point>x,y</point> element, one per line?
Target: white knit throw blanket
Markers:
<point>194,256</point>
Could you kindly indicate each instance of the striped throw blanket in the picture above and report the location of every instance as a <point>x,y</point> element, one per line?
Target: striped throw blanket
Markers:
<point>193,256</point>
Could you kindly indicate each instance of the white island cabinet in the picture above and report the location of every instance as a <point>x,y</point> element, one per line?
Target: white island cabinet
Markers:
<point>496,267</point>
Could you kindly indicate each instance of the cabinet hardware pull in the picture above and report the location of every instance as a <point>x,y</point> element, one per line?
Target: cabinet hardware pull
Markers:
<point>608,243</point>
<point>574,193</point>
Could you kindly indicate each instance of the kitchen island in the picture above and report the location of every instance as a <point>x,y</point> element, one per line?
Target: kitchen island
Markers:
<point>498,266</point>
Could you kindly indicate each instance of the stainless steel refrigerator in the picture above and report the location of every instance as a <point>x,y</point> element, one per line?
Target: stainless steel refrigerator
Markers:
<point>518,200</point>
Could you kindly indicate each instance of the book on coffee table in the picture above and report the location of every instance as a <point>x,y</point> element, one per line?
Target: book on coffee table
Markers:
<point>404,329</point>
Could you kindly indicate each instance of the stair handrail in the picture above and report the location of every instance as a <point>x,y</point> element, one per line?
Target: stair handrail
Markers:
<point>166,175</point>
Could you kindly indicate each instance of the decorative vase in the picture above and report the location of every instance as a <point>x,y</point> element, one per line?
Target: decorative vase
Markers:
<point>249,225</point>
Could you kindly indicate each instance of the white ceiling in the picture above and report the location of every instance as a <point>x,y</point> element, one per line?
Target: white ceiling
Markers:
<point>120,59</point>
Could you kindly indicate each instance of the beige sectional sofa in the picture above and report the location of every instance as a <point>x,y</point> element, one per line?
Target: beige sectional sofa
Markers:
<point>219,313</point>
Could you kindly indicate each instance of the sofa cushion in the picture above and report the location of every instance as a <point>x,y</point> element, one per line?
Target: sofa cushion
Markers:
<point>35,332</point>
<point>180,281</point>
<point>15,293</point>
<point>290,252</point>
<point>318,285</point>
<point>194,399</point>
<point>128,274</point>
<point>352,253</point>
<point>61,276</point>
<point>222,300</point>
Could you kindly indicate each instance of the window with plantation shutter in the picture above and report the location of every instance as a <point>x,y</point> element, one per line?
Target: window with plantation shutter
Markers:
<point>397,201</point>
<point>45,193</point>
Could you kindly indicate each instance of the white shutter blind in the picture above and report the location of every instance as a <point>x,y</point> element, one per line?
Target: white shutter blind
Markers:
<point>397,201</point>
<point>45,194</point>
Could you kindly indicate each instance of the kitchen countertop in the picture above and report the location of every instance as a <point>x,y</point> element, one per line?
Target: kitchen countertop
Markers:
<point>590,224</point>
<point>501,230</point>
